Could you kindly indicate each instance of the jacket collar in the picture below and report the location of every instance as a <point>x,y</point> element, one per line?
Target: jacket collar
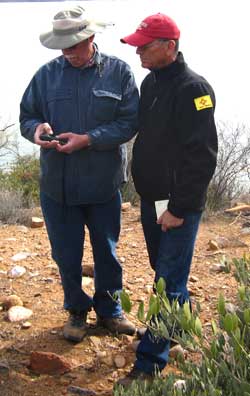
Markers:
<point>95,60</point>
<point>170,71</point>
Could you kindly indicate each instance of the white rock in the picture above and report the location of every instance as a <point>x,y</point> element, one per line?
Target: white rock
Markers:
<point>17,314</point>
<point>86,281</point>
<point>180,384</point>
<point>20,256</point>
<point>16,271</point>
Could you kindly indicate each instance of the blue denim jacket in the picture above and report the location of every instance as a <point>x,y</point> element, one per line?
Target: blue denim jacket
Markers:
<point>101,101</point>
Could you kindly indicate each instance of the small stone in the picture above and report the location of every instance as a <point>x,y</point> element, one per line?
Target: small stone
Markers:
<point>122,259</point>
<point>213,245</point>
<point>120,361</point>
<point>180,385</point>
<point>36,222</point>
<point>193,279</point>
<point>20,256</point>
<point>16,272</point>
<point>86,281</point>
<point>26,325</point>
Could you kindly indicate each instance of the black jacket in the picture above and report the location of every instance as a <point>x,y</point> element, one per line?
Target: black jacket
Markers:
<point>174,155</point>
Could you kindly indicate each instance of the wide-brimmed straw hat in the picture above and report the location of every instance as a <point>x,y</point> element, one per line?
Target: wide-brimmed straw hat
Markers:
<point>70,26</point>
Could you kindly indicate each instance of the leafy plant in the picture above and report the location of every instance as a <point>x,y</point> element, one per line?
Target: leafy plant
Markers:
<point>222,363</point>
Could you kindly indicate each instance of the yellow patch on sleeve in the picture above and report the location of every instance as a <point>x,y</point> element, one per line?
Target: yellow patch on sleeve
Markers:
<point>203,102</point>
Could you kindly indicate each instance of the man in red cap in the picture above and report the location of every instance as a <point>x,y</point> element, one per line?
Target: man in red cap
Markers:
<point>174,158</point>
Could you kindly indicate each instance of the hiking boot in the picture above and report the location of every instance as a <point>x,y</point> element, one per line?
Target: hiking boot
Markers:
<point>76,327</point>
<point>119,325</point>
<point>133,375</point>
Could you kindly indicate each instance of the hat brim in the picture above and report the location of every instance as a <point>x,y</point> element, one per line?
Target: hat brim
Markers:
<point>137,39</point>
<point>61,41</point>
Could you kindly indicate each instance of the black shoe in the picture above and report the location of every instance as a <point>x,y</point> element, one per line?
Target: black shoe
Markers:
<point>119,325</point>
<point>134,375</point>
<point>76,327</point>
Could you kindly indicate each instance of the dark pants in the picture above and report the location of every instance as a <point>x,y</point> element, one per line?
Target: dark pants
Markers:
<point>170,255</point>
<point>65,227</point>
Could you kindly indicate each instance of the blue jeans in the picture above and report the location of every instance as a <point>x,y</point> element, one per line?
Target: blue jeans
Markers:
<point>66,230</point>
<point>170,255</point>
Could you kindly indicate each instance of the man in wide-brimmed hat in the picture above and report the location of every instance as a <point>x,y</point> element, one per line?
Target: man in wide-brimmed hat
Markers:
<point>80,108</point>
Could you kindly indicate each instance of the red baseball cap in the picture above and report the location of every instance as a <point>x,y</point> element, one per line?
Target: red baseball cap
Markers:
<point>151,28</point>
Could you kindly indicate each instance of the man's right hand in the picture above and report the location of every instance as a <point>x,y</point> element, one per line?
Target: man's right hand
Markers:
<point>44,129</point>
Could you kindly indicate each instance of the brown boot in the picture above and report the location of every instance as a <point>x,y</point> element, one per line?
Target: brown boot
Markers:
<point>76,327</point>
<point>133,375</point>
<point>119,325</point>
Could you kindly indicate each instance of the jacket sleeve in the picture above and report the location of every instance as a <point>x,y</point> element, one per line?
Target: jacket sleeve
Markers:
<point>124,126</point>
<point>30,110</point>
<point>197,140</point>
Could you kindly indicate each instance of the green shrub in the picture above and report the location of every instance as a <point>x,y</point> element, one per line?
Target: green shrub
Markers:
<point>222,363</point>
<point>23,177</point>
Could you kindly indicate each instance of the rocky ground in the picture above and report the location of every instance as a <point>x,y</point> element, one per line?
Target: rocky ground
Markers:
<point>96,362</point>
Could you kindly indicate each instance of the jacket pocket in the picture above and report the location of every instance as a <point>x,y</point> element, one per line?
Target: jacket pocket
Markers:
<point>104,104</point>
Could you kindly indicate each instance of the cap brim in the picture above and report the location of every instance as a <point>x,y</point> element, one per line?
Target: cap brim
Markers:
<point>137,39</point>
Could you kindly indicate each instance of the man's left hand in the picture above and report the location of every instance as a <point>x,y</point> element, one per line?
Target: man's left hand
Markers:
<point>168,221</point>
<point>74,142</point>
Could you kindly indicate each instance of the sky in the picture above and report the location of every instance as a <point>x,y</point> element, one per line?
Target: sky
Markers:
<point>214,40</point>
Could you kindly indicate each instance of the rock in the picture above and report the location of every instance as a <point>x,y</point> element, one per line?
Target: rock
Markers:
<point>212,245</point>
<point>20,256</point>
<point>18,314</point>
<point>76,390</point>
<point>122,259</point>
<point>86,281</point>
<point>88,270</point>
<point>36,222</point>
<point>120,361</point>
<point>11,301</point>
<point>180,385</point>
<point>177,351</point>
<point>16,272</point>
<point>126,206</point>
<point>49,363</point>
<point>193,278</point>
<point>217,268</point>
<point>26,325</point>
